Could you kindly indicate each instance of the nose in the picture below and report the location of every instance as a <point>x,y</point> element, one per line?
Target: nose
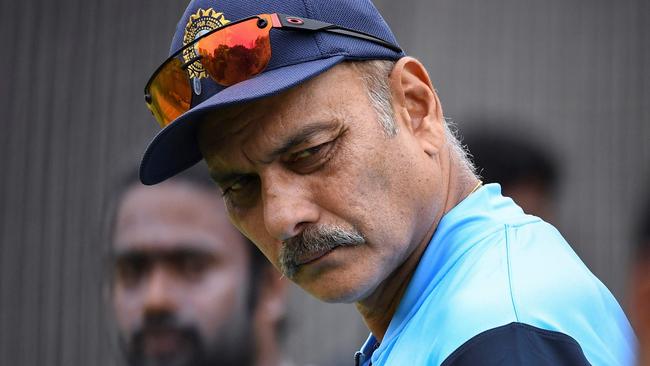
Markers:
<point>288,205</point>
<point>159,292</point>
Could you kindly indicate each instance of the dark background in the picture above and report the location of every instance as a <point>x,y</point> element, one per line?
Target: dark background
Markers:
<point>572,73</point>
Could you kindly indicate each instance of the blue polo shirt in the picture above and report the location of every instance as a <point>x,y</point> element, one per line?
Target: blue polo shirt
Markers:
<point>496,286</point>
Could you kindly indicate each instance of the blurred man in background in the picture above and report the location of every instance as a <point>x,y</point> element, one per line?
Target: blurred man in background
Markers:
<point>526,171</point>
<point>188,289</point>
<point>640,285</point>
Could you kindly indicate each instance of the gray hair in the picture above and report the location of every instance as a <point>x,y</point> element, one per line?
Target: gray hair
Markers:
<point>375,75</point>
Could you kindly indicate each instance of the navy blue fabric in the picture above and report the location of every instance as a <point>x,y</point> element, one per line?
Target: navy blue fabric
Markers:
<point>518,344</point>
<point>296,57</point>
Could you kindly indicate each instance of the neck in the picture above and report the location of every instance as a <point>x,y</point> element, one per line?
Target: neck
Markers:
<point>267,352</point>
<point>378,309</point>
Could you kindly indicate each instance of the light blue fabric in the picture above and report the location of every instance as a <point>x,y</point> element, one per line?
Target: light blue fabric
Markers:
<point>487,265</point>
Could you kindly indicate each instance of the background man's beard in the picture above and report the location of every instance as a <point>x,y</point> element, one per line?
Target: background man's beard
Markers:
<point>233,345</point>
<point>315,239</point>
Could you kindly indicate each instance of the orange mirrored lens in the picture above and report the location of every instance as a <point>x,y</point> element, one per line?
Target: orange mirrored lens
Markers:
<point>229,55</point>
<point>171,93</point>
<point>238,52</point>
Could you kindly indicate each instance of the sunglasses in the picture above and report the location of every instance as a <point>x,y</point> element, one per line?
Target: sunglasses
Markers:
<point>229,54</point>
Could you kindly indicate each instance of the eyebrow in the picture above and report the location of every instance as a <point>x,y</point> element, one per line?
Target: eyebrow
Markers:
<point>224,176</point>
<point>130,254</point>
<point>298,137</point>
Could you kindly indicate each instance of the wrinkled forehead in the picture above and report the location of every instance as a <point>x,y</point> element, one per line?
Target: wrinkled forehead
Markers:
<point>226,125</point>
<point>227,132</point>
<point>269,121</point>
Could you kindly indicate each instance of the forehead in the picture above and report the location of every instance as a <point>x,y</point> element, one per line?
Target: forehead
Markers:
<point>328,97</point>
<point>173,215</point>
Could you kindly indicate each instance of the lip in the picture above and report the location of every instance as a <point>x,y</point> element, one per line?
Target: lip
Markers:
<point>313,257</point>
<point>157,343</point>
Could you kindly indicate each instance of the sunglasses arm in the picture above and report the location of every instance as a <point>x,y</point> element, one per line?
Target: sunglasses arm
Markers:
<point>306,24</point>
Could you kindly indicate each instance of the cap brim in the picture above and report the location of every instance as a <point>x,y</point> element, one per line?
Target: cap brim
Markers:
<point>175,148</point>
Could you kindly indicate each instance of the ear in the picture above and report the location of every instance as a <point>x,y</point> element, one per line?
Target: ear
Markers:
<point>416,104</point>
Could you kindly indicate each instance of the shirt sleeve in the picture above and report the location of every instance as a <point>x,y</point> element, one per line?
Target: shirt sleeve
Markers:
<point>518,344</point>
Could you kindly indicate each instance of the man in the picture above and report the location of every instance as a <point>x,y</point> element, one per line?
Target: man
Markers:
<point>347,178</point>
<point>640,285</point>
<point>526,172</point>
<point>189,289</point>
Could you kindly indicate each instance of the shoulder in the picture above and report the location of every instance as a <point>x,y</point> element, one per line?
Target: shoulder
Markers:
<point>520,290</point>
<point>518,344</point>
<point>552,290</point>
<point>549,284</point>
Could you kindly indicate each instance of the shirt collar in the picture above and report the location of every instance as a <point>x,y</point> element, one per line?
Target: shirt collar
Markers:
<point>455,234</point>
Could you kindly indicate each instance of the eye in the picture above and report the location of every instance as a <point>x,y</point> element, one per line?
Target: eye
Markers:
<point>191,266</point>
<point>238,185</point>
<point>233,188</point>
<point>242,192</point>
<point>311,159</point>
<point>129,271</point>
<point>307,153</point>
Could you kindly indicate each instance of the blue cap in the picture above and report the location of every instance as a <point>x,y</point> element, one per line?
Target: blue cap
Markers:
<point>295,58</point>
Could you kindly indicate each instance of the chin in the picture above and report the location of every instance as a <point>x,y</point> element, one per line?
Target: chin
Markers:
<point>336,290</point>
<point>336,297</point>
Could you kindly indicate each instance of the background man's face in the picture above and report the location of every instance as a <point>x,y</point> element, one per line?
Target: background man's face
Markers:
<point>639,303</point>
<point>315,161</point>
<point>180,287</point>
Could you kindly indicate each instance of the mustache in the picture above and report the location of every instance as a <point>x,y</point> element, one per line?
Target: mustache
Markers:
<point>153,322</point>
<point>315,239</point>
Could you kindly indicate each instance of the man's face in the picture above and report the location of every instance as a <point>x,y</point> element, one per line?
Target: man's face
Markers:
<point>310,176</point>
<point>180,286</point>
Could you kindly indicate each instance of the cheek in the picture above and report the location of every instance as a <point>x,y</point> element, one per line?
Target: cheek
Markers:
<point>375,196</point>
<point>126,309</point>
<point>253,227</point>
<point>386,194</point>
<point>221,293</point>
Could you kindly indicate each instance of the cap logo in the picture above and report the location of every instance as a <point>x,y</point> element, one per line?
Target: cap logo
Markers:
<point>200,23</point>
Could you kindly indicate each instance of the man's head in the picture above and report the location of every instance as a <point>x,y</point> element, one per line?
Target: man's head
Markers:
<point>339,178</point>
<point>187,288</point>
<point>313,169</point>
<point>271,46</point>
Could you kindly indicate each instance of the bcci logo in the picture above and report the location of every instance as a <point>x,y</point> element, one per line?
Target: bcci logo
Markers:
<point>200,23</point>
